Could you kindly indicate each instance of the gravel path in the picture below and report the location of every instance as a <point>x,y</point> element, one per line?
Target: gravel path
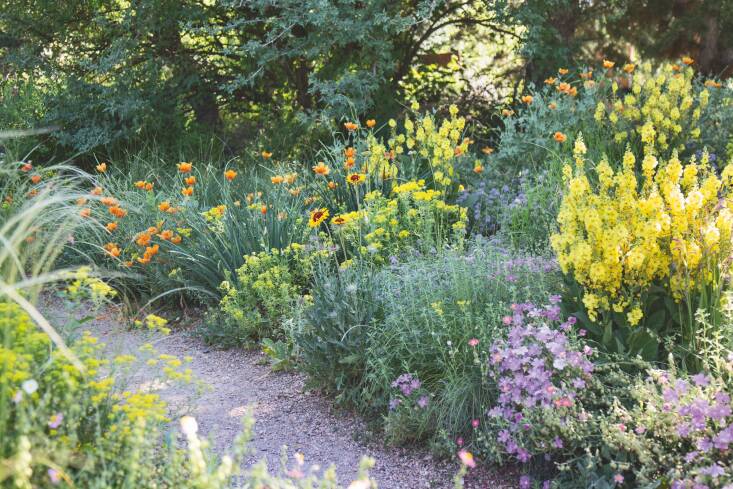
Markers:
<point>286,413</point>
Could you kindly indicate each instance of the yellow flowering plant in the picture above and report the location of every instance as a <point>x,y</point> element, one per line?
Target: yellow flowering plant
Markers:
<point>628,238</point>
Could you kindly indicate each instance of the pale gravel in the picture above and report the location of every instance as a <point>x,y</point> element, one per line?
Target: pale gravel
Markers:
<point>286,413</point>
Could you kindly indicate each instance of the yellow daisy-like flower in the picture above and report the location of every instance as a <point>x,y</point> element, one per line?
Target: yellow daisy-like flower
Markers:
<point>317,217</point>
<point>355,178</point>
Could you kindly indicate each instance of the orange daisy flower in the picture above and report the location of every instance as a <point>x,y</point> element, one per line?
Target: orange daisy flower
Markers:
<point>321,169</point>
<point>164,206</point>
<point>111,226</point>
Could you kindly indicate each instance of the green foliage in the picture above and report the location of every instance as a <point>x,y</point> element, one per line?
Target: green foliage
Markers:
<point>366,328</point>
<point>268,286</point>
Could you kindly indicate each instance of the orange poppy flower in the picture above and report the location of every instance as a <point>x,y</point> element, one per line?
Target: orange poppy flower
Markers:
<point>112,249</point>
<point>166,234</point>
<point>164,206</point>
<point>102,167</point>
<point>587,75</point>
<point>507,112</point>
<point>713,84</point>
<point>527,99</point>
<point>36,178</point>
<point>26,167</point>
<point>111,226</point>
<point>184,167</point>
<point>176,239</point>
<point>629,68</point>
<point>321,169</point>
<point>332,185</point>
<point>350,126</point>
<point>145,259</point>
<point>687,60</point>
<point>552,105</point>
<point>290,178</point>
<point>266,155</point>
<point>487,150</point>
<point>350,152</point>
<point>560,137</point>
<point>263,210</point>
<point>356,178</point>
<point>117,211</point>
<point>81,201</point>
<point>371,123</point>
<point>676,67</point>
<point>608,64</point>
<point>550,81</point>
<point>563,71</point>
<point>33,193</point>
<point>457,151</point>
<point>97,191</point>
<point>143,239</point>
<point>140,184</point>
<point>86,212</point>
<point>230,175</point>
<point>149,186</point>
<point>478,169</point>
<point>277,179</point>
<point>295,191</point>
<point>190,181</point>
<point>188,191</point>
<point>108,201</point>
<point>350,162</point>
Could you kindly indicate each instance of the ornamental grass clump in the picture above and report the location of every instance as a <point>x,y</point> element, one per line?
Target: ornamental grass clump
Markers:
<point>629,237</point>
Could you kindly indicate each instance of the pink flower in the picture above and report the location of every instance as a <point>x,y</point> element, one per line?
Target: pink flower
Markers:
<point>54,475</point>
<point>473,342</point>
<point>55,420</point>
<point>622,427</point>
<point>467,458</point>
<point>507,320</point>
<point>474,423</point>
<point>618,479</point>
<point>459,441</point>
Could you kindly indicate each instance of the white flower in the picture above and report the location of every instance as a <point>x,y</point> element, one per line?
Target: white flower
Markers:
<point>30,386</point>
<point>360,484</point>
<point>189,426</point>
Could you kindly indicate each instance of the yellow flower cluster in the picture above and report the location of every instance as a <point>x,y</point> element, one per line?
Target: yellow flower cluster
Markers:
<point>663,109</point>
<point>620,233</point>
<point>385,224</point>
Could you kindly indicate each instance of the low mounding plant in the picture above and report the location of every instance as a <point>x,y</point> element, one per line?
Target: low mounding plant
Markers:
<point>428,317</point>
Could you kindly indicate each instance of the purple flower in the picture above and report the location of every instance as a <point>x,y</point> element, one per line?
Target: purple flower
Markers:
<point>423,401</point>
<point>393,403</point>
<point>524,482</point>
<point>701,380</point>
<point>55,420</point>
